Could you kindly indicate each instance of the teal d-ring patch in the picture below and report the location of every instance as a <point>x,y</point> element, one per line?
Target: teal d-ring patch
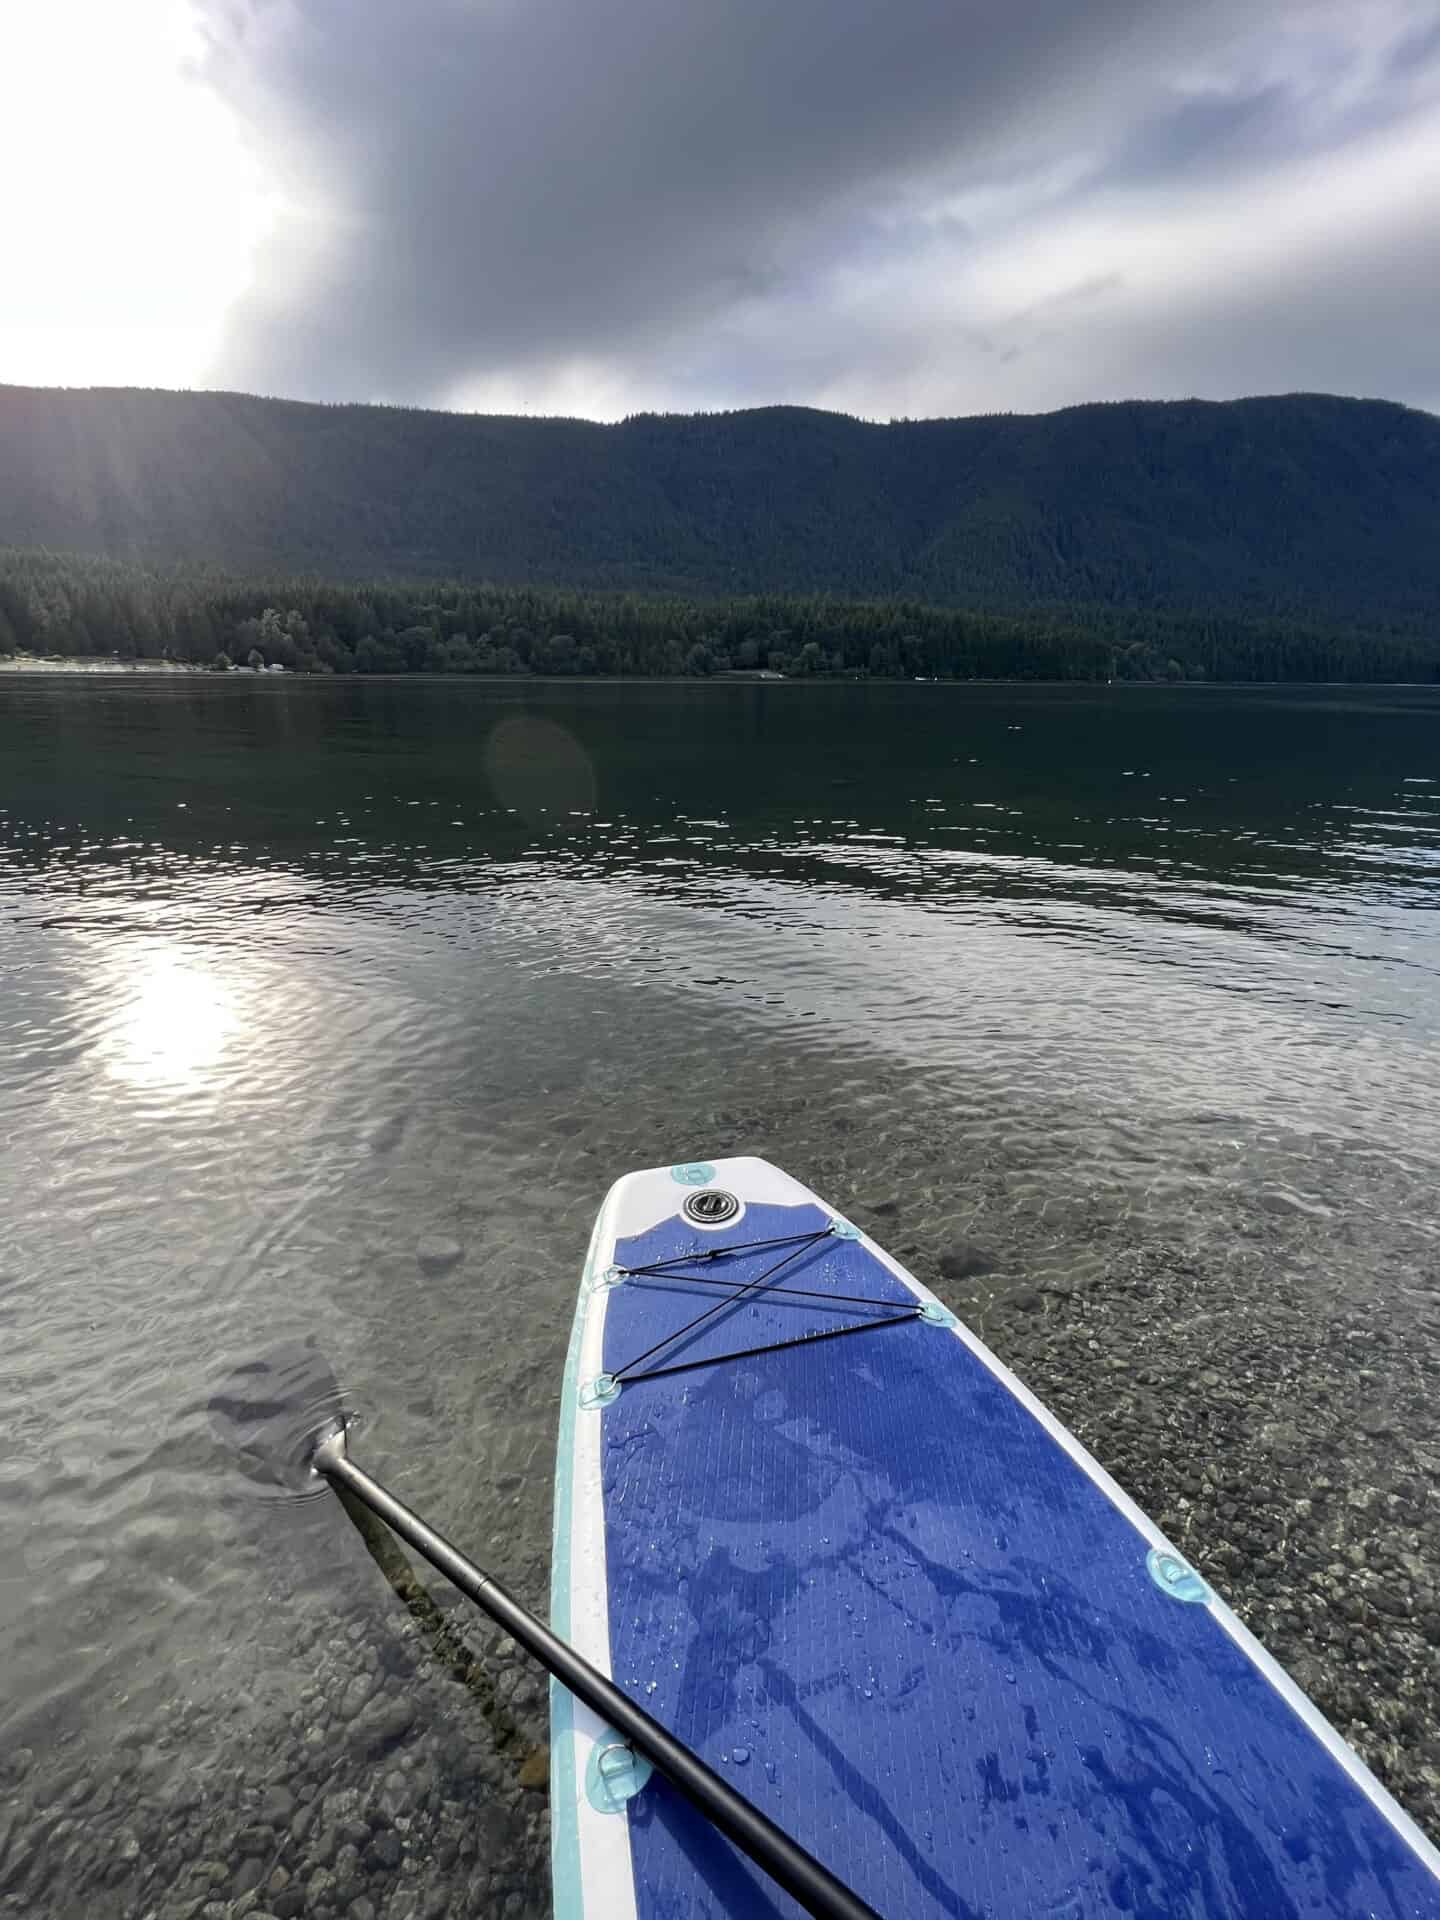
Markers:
<point>1176,1576</point>
<point>693,1173</point>
<point>614,1774</point>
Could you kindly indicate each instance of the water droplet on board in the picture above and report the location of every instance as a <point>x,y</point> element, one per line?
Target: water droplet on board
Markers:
<point>740,1755</point>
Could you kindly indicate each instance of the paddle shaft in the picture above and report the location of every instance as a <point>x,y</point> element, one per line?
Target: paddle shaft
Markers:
<point>787,1863</point>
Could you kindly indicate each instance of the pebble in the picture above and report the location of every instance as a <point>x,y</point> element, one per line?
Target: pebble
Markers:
<point>346,1870</point>
<point>343,1805</point>
<point>384,1852</point>
<point>180,1795</point>
<point>437,1254</point>
<point>277,1806</point>
<point>356,1694</point>
<point>320,1887</point>
<point>382,1727</point>
<point>248,1874</point>
<point>385,1137</point>
<point>1280,1200</point>
<point>20,1854</point>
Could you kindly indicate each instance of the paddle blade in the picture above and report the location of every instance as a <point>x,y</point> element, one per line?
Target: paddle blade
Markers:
<point>273,1411</point>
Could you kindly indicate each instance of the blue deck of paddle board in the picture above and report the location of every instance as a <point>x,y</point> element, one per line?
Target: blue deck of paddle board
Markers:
<point>866,1584</point>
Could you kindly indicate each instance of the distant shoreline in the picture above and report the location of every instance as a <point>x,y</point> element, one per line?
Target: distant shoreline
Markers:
<point>95,666</point>
<point>92,663</point>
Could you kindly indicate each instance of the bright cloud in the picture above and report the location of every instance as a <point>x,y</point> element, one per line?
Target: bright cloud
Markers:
<point>131,204</point>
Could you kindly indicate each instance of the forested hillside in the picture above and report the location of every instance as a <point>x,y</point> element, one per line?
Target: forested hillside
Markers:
<point>1300,508</point>
<point>78,605</point>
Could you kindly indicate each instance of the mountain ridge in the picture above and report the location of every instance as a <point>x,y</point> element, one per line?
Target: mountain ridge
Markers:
<point>1296,504</point>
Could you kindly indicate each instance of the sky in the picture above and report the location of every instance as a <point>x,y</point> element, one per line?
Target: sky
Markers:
<point>598,207</point>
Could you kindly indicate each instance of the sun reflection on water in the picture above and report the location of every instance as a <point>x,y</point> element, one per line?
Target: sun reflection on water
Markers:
<point>172,1020</point>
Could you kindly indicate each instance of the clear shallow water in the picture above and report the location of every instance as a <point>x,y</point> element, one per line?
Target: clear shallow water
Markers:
<point>332,1010</point>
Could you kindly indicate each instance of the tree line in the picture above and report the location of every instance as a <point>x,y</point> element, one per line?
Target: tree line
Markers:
<point>85,606</point>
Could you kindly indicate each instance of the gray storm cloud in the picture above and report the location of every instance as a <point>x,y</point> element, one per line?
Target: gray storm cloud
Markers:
<point>931,206</point>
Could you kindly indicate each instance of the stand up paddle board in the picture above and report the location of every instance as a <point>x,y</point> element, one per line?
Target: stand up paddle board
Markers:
<point>810,1523</point>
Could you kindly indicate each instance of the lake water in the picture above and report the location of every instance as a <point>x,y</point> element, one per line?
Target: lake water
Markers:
<point>330,1010</point>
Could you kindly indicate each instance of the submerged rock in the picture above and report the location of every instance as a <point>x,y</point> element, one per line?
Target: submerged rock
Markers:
<point>385,1137</point>
<point>356,1695</point>
<point>437,1253</point>
<point>247,1876</point>
<point>384,1851</point>
<point>1282,1200</point>
<point>277,1806</point>
<point>383,1726</point>
<point>963,1259</point>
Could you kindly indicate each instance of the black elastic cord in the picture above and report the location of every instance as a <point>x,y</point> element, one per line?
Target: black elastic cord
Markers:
<point>774,1346</point>
<point>716,1253</point>
<point>809,1240</point>
<point>781,1293</point>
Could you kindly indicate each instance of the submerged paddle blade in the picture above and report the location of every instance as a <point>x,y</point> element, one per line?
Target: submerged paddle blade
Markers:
<point>274,1411</point>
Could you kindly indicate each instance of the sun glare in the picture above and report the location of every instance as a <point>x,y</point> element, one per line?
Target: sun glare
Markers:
<point>127,192</point>
<point>172,1021</point>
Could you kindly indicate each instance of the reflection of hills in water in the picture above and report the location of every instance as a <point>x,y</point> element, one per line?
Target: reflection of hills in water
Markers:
<point>1267,787</point>
<point>1258,813</point>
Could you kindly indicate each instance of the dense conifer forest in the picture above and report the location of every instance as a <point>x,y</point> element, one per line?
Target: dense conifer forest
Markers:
<point>1303,508</point>
<point>79,605</point>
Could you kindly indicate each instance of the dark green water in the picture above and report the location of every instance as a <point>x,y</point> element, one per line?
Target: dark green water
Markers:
<point>333,1009</point>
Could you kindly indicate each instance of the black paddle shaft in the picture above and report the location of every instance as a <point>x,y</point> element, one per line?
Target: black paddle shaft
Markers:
<point>787,1863</point>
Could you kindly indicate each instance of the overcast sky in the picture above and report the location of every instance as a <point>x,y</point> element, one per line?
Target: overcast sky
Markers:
<point>597,206</point>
